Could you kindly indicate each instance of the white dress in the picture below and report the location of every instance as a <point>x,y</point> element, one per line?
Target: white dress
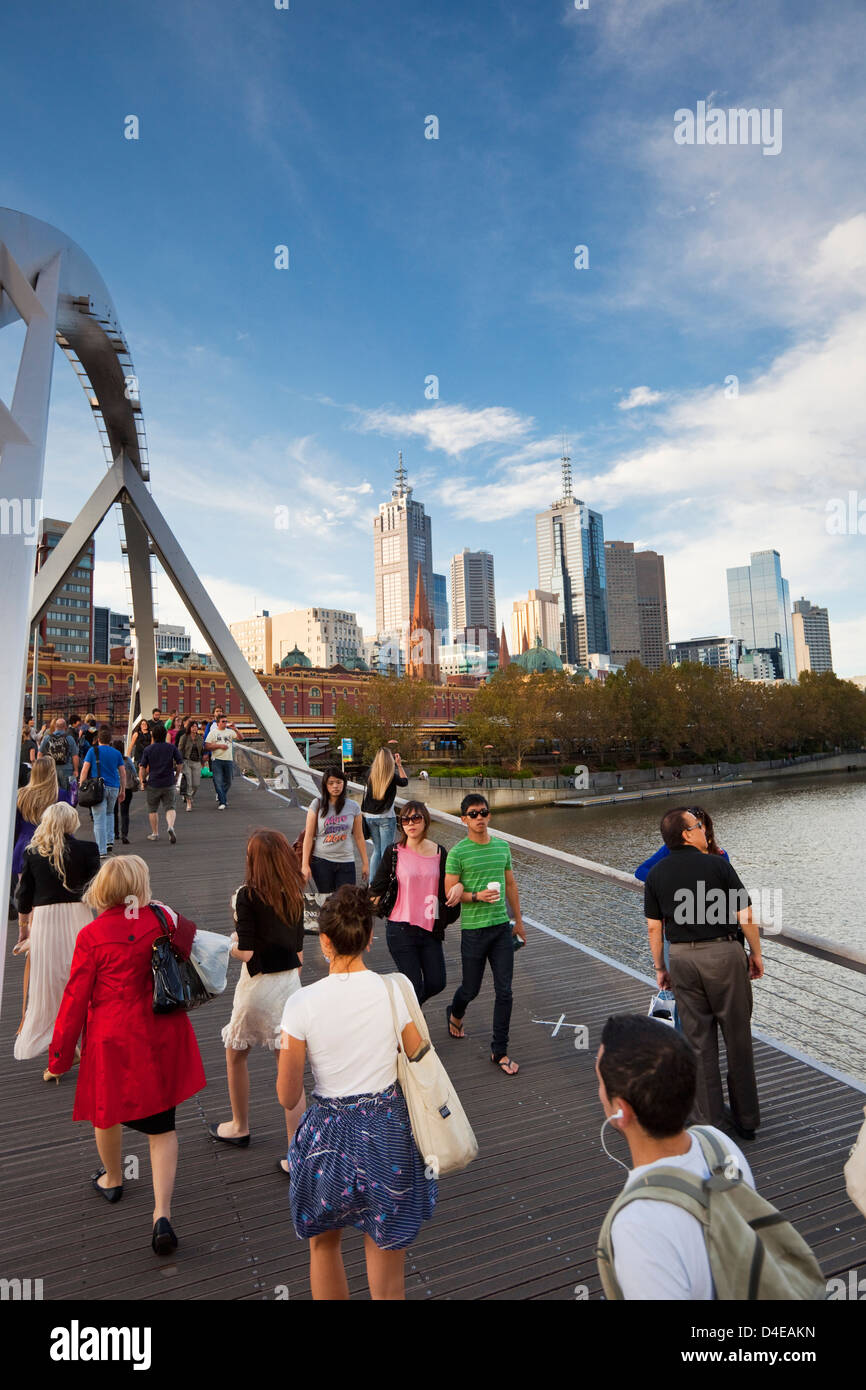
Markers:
<point>53,931</point>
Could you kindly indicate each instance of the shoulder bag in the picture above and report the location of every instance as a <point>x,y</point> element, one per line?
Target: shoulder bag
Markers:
<point>92,792</point>
<point>443,1135</point>
<point>855,1171</point>
<point>388,898</point>
<point>176,982</point>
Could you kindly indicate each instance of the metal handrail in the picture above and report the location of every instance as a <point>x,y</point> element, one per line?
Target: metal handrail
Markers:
<point>848,957</point>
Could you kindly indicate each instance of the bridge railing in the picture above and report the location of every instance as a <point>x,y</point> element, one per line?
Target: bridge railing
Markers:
<point>808,988</point>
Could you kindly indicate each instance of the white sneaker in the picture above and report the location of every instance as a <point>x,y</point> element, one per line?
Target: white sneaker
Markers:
<point>153,837</point>
<point>220,808</point>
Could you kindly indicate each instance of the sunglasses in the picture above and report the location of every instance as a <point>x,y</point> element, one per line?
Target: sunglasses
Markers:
<point>411,820</point>
<point>473,815</point>
<point>698,825</point>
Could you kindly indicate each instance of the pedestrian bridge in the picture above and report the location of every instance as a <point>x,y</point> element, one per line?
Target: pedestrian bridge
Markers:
<point>520,1223</point>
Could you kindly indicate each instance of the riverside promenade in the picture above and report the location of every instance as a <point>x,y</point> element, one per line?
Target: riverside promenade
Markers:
<point>520,1223</point>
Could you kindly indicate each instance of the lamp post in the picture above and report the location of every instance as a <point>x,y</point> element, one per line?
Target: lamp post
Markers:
<point>488,748</point>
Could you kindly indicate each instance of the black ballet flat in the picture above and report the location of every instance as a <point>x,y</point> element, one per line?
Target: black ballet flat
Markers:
<point>243,1142</point>
<point>111,1194</point>
<point>163,1240</point>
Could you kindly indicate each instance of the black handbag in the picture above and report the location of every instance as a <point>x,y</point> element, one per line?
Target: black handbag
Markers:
<point>388,900</point>
<point>447,915</point>
<point>176,982</point>
<point>92,792</point>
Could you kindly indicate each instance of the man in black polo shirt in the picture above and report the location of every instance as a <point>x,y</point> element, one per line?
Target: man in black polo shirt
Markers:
<point>697,901</point>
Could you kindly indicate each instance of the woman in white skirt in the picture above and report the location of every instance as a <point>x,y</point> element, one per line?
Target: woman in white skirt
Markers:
<point>269,911</point>
<point>55,871</point>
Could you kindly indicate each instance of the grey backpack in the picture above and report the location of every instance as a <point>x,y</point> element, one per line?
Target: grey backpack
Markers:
<point>755,1253</point>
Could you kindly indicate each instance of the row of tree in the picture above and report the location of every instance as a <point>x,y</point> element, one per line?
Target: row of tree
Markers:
<point>674,714</point>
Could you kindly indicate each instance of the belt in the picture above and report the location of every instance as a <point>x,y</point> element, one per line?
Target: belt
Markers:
<point>706,940</point>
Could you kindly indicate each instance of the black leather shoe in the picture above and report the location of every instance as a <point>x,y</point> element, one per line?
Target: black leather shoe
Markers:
<point>163,1240</point>
<point>111,1194</point>
<point>747,1134</point>
<point>243,1142</point>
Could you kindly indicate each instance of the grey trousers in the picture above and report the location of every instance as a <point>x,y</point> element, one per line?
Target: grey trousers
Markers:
<point>711,982</point>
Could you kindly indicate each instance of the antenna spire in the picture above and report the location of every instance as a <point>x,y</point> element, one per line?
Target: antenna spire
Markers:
<point>566,470</point>
<point>400,488</point>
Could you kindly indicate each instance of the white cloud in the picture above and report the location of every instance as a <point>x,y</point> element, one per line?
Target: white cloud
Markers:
<point>640,395</point>
<point>451,428</point>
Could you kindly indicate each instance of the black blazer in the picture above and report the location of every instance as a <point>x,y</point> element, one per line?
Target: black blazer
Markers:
<point>39,885</point>
<point>447,914</point>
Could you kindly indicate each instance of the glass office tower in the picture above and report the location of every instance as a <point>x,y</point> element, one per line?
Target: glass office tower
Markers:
<point>760,609</point>
<point>571,564</point>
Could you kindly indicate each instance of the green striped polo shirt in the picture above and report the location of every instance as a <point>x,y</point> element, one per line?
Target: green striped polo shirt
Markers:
<point>478,865</point>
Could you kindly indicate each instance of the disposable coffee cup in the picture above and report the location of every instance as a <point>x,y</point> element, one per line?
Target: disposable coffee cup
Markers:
<point>493,885</point>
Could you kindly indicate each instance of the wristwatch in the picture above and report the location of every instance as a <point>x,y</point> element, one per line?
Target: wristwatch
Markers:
<point>475,897</point>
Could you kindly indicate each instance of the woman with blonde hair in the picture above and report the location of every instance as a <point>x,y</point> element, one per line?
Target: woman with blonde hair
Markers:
<point>386,775</point>
<point>136,1066</point>
<point>33,801</point>
<point>55,872</point>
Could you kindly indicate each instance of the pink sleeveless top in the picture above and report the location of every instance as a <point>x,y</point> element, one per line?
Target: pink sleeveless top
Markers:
<point>418,884</point>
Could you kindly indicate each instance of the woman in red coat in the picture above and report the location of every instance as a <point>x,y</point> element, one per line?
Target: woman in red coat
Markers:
<point>136,1066</point>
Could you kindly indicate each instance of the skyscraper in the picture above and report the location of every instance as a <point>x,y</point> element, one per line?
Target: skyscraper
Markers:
<point>652,607</point>
<point>440,607</point>
<point>570,541</point>
<point>537,615</point>
<point>760,609</point>
<point>623,619</point>
<point>473,593</point>
<point>811,630</point>
<point>402,541</point>
<point>68,621</point>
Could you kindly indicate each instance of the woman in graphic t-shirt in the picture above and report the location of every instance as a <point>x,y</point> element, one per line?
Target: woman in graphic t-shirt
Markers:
<point>353,1160</point>
<point>417,921</point>
<point>333,822</point>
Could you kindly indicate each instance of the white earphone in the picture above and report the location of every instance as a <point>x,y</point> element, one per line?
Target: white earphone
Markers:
<point>617,1115</point>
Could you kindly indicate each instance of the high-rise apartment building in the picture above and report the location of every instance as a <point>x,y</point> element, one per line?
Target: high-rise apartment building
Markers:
<point>402,541</point>
<point>623,619</point>
<point>440,607</point>
<point>537,615</point>
<point>473,593</point>
<point>69,617</point>
<point>722,653</point>
<point>652,605</point>
<point>811,630</point>
<point>570,541</point>
<point>760,609</point>
<point>328,636</point>
<point>255,639</point>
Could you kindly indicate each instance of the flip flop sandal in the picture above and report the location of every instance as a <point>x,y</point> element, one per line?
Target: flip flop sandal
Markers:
<point>453,1023</point>
<point>498,1061</point>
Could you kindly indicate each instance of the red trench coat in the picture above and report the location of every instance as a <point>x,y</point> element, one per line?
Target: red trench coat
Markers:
<point>134,1063</point>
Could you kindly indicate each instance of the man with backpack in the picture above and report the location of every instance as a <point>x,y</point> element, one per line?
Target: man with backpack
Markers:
<point>688,1225</point>
<point>63,748</point>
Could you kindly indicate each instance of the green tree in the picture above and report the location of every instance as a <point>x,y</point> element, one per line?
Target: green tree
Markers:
<point>389,707</point>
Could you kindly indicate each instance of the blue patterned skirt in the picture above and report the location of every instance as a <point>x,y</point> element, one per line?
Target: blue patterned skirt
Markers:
<point>353,1162</point>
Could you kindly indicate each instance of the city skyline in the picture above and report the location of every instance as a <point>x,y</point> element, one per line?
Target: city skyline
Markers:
<point>705,367</point>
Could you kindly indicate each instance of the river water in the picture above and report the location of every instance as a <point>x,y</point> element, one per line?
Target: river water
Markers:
<point>800,841</point>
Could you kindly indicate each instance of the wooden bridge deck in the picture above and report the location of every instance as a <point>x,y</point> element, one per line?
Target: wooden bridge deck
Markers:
<point>520,1223</point>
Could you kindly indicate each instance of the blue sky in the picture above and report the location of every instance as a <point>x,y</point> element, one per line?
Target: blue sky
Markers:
<point>265,388</point>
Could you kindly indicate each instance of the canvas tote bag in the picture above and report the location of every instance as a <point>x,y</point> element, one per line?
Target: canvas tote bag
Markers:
<point>855,1171</point>
<point>442,1133</point>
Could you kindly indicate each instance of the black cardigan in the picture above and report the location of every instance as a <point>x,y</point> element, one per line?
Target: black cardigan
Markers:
<point>372,807</point>
<point>447,914</point>
<point>274,943</point>
<point>39,885</point>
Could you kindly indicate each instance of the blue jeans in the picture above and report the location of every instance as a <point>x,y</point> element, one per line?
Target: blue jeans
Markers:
<point>383,829</point>
<point>419,956</point>
<point>477,946</point>
<point>103,819</point>
<point>223,771</point>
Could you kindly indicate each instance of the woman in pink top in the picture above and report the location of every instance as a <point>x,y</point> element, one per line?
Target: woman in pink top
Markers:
<point>411,880</point>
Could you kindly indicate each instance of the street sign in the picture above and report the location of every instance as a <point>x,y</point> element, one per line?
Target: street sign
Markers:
<point>347,747</point>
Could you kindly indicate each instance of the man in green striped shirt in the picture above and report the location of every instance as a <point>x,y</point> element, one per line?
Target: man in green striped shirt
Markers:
<point>471,867</point>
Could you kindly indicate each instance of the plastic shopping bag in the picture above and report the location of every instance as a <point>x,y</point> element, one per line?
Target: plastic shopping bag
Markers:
<point>663,1007</point>
<point>312,904</point>
<point>210,956</point>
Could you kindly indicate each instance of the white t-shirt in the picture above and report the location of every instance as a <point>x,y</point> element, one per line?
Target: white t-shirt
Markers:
<point>225,735</point>
<point>346,1023</point>
<point>659,1251</point>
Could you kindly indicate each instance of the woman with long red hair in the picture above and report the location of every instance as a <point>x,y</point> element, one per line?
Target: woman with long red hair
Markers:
<point>269,911</point>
